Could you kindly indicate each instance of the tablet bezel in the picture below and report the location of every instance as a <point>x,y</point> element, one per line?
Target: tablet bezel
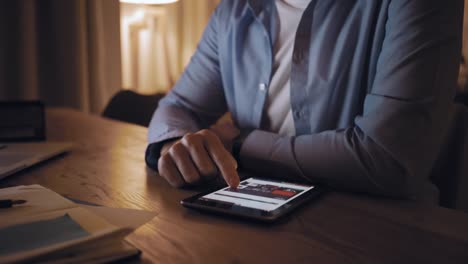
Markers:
<point>226,208</point>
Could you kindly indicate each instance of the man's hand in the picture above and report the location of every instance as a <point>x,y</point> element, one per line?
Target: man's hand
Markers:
<point>196,157</point>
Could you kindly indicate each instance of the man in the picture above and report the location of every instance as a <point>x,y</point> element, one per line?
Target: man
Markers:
<point>351,94</point>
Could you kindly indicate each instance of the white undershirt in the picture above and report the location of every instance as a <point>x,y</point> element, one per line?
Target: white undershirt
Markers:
<point>278,116</point>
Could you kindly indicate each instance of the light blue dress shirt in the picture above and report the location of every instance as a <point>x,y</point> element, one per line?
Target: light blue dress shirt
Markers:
<point>372,85</point>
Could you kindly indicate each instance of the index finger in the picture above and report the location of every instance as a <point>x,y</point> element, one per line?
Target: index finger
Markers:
<point>225,162</point>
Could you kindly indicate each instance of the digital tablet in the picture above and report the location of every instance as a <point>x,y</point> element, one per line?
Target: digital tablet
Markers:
<point>255,198</point>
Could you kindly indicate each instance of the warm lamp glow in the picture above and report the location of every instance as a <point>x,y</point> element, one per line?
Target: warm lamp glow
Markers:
<point>148,2</point>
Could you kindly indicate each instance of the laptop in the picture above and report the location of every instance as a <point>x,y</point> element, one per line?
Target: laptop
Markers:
<point>23,137</point>
<point>18,156</point>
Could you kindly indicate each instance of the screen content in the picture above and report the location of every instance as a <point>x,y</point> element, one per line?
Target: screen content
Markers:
<point>259,194</point>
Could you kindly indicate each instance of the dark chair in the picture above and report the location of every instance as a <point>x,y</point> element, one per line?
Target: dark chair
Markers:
<point>462,98</point>
<point>132,107</point>
<point>451,170</point>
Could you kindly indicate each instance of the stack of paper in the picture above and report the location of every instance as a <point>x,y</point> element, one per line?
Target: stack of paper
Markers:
<point>50,228</point>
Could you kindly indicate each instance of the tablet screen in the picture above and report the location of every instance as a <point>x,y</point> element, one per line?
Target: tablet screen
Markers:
<point>259,194</point>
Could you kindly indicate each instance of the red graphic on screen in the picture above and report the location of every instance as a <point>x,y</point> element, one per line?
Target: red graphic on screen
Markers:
<point>266,190</point>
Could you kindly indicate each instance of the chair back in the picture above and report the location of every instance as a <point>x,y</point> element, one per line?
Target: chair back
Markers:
<point>131,107</point>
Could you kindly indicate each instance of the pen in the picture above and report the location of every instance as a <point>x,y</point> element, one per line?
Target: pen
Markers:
<point>10,203</point>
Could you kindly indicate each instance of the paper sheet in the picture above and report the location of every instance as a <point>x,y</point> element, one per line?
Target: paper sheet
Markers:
<point>39,200</point>
<point>129,218</point>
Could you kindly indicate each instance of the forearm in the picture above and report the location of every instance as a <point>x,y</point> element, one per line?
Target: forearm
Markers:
<point>197,99</point>
<point>171,123</point>
<point>342,159</point>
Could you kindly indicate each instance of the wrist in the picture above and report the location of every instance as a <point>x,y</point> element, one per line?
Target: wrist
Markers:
<point>227,132</point>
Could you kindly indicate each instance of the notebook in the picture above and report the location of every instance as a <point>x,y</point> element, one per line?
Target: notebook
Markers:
<point>51,229</point>
<point>17,156</point>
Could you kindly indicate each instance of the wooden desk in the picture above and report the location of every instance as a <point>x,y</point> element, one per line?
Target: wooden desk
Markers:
<point>107,167</point>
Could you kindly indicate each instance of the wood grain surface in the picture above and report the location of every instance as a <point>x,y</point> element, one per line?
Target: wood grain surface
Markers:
<point>107,167</point>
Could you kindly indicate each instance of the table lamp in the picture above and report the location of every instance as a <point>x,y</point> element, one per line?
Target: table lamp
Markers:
<point>144,48</point>
<point>148,2</point>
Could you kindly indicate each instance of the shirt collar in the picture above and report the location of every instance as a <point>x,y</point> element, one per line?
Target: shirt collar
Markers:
<point>265,11</point>
<point>257,6</point>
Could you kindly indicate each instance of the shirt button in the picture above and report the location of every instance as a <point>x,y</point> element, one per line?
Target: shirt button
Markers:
<point>262,87</point>
<point>297,114</point>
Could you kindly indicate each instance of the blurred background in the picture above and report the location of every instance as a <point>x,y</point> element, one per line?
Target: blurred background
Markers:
<point>79,53</point>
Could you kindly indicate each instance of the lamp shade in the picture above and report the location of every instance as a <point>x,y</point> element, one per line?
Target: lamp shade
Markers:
<point>148,2</point>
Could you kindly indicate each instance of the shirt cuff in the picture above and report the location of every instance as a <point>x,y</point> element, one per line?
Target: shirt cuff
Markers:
<point>153,151</point>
